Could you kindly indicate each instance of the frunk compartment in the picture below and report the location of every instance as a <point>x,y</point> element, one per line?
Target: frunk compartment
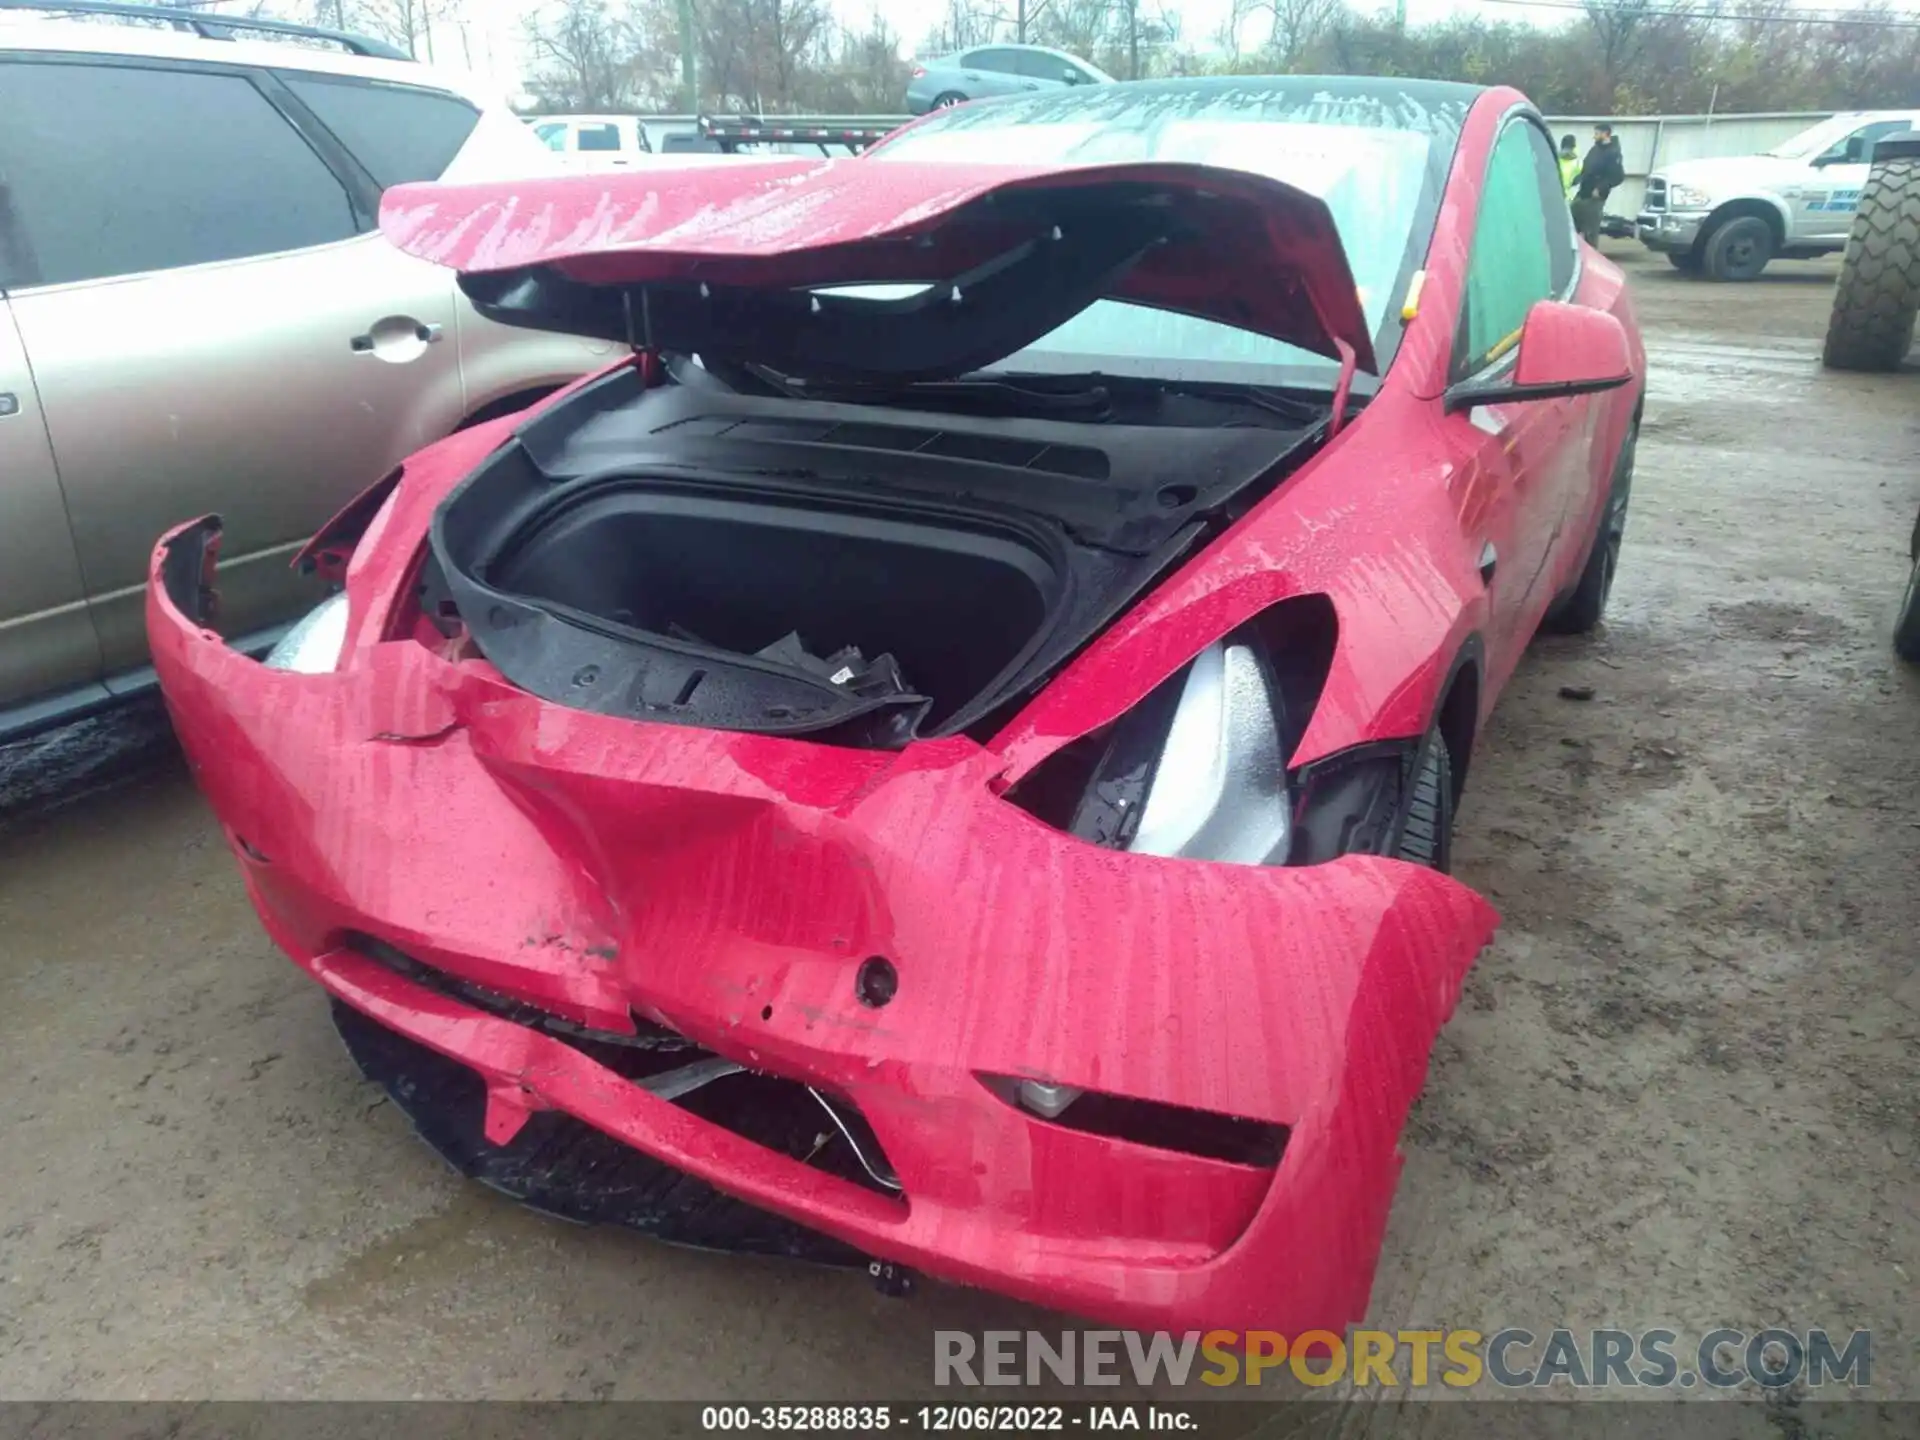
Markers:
<point>954,600</point>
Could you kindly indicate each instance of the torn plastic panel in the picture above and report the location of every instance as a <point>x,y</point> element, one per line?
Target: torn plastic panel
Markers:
<point>326,555</point>
<point>188,558</point>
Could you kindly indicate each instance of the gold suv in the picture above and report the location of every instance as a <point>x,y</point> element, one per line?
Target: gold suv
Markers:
<point>198,313</point>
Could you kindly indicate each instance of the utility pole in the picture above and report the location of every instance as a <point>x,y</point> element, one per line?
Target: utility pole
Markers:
<point>689,58</point>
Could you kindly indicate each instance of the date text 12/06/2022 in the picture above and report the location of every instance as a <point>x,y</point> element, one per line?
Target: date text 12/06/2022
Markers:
<point>942,1419</point>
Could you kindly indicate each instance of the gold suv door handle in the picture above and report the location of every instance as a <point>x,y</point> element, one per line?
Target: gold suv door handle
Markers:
<point>396,338</point>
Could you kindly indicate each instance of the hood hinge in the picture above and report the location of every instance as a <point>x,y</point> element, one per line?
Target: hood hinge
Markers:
<point>643,340</point>
<point>1343,387</point>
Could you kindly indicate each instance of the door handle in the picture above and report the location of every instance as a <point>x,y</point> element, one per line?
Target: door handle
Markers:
<point>397,337</point>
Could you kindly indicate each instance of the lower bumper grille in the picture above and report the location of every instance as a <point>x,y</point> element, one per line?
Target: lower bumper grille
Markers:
<point>562,1166</point>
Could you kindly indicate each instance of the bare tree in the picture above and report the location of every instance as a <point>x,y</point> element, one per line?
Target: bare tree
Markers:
<point>1617,26</point>
<point>583,57</point>
<point>405,23</point>
<point>794,31</point>
<point>1079,27</point>
<point>1292,25</point>
<point>1026,16</point>
<point>967,23</point>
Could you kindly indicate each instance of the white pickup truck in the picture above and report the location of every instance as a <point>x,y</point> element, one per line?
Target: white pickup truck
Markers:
<point>1727,218</point>
<point>594,142</point>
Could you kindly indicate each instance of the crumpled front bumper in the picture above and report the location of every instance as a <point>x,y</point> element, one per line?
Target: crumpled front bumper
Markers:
<point>1669,232</point>
<point>730,887</point>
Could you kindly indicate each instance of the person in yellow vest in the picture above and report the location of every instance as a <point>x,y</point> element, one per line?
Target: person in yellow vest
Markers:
<point>1569,163</point>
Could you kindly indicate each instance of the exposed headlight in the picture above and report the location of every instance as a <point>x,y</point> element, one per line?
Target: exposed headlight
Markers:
<point>313,645</point>
<point>1220,789</point>
<point>1687,197</point>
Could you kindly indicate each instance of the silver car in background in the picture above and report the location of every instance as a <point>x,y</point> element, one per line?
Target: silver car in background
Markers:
<point>198,313</point>
<point>995,70</point>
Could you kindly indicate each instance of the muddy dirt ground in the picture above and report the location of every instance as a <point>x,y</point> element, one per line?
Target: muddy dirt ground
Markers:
<point>1683,1088</point>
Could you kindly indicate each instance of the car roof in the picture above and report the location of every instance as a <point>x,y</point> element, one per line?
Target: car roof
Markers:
<point>1420,103</point>
<point>1011,45</point>
<point>92,35</point>
<point>1395,88</point>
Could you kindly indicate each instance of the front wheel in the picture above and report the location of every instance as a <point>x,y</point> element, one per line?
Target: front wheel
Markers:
<point>1580,611</point>
<point>1426,830</point>
<point>1739,249</point>
<point>948,100</point>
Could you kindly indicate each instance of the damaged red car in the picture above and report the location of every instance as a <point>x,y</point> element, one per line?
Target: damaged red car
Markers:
<point>944,757</point>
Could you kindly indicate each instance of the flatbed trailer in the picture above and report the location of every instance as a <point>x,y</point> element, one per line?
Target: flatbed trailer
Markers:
<point>728,133</point>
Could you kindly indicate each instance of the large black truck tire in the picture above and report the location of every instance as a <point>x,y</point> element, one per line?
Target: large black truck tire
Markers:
<point>1874,305</point>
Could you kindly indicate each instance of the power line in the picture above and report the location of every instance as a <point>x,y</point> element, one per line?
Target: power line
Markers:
<point>1796,17</point>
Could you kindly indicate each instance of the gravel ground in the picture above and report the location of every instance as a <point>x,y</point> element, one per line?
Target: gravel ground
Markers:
<point>1682,1089</point>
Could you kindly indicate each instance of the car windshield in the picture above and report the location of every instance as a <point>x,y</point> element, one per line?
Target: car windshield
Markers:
<point>1374,162</point>
<point>1816,139</point>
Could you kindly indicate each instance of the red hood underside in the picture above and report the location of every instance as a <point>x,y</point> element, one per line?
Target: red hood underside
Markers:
<point>1246,251</point>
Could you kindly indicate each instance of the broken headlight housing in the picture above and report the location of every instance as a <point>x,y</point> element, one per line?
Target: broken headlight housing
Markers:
<point>313,645</point>
<point>1197,770</point>
<point>1219,789</point>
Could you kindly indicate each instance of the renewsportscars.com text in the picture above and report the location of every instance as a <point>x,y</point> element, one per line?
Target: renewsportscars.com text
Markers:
<point>1511,1358</point>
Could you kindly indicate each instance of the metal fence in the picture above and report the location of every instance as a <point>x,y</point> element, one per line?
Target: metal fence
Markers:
<point>1647,142</point>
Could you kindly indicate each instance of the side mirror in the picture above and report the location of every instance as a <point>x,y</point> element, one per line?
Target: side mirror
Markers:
<point>1070,75</point>
<point>1564,350</point>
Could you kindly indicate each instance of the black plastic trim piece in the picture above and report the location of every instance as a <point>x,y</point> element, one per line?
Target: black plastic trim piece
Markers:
<point>1205,1134</point>
<point>955,324</point>
<point>326,555</point>
<point>1350,802</point>
<point>1469,393</point>
<point>186,571</point>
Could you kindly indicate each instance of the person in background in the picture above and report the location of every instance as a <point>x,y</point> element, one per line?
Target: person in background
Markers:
<point>1600,173</point>
<point>1569,163</point>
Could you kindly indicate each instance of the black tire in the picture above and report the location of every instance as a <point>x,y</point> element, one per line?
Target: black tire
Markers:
<point>1579,612</point>
<point>1737,249</point>
<point>1906,625</point>
<point>1426,829</point>
<point>1687,262</point>
<point>1871,327</point>
<point>947,99</point>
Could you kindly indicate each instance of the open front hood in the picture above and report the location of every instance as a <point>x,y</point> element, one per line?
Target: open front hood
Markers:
<point>726,260</point>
